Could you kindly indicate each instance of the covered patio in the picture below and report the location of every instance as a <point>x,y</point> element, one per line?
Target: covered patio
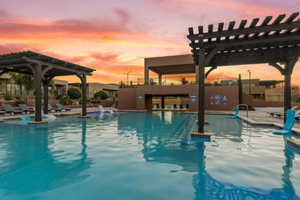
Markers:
<point>275,42</point>
<point>44,69</point>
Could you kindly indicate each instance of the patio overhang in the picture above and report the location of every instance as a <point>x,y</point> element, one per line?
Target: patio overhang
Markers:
<point>275,42</point>
<point>44,69</point>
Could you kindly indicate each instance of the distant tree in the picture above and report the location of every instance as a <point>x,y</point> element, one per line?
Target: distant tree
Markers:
<point>74,93</point>
<point>23,80</point>
<point>101,95</point>
<point>184,81</point>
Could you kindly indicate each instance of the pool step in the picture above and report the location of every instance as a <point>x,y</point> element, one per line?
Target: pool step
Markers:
<point>202,135</point>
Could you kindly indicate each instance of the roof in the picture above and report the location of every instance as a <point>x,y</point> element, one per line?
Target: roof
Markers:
<point>178,64</point>
<point>19,62</point>
<point>254,42</point>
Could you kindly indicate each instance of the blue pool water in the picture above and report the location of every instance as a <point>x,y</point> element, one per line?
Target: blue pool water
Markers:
<point>145,156</point>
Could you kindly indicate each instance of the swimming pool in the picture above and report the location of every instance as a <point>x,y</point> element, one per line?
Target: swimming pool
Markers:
<point>145,156</point>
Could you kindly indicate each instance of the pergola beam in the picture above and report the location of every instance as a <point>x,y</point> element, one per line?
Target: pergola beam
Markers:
<point>278,42</point>
<point>246,31</point>
<point>44,68</point>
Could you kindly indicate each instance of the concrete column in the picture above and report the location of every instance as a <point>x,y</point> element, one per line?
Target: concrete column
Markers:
<point>38,93</point>
<point>146,76</point>
<point>159,79</point>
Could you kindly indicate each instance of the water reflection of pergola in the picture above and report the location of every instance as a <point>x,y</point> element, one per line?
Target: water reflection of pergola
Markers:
<point>192,158</point>
<point>276,43</point>
<point>50,170</point>
<point>44,69</point>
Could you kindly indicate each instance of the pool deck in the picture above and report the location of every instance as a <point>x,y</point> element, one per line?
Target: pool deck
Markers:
<point>260,116</point>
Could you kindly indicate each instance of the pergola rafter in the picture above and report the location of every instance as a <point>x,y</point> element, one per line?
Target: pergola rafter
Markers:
<point>271,41</point>
<point>44,69</point>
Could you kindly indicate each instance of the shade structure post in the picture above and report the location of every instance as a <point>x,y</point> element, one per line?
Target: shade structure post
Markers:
<point>288,70</point>
<point>201,92</point>
<point>46,96</point>
<point>38,92</point>
<point>162,102</point>
<point>84,95</point>
<point>240,88</point>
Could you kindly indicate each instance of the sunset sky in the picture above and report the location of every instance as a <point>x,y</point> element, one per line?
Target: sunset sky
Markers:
<point>114,36</point>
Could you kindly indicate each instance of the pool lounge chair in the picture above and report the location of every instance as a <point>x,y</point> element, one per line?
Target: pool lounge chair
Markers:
<point>235,114</point>
<point>289,123</point>
<point>25,109</point>
<point>60,108</point>
<point>11,110</point>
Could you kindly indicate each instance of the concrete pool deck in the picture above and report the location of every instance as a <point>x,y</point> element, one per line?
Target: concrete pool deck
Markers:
<point>260,116</point>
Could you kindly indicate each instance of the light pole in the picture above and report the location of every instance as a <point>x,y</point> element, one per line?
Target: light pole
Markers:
<point>127,74</point>
<point>249,82</point>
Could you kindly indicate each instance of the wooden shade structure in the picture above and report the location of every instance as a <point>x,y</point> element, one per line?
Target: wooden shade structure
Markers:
<point>44,69</point>
<point>275,42</point>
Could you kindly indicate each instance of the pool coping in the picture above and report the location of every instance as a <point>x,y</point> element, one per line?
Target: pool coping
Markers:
<point>212,112</point>
<point>278,125</point>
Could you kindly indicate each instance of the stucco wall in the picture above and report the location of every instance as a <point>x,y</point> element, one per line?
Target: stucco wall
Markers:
<point>216,98</point>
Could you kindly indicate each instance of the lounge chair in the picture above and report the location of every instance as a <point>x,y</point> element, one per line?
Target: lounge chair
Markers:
<point>60,108</point>
<point>11,110</point>
<point>235,114</point>
<point>2,112</point>
<point>289,123</point>
<point>50,108</point>
<point>25,109</point>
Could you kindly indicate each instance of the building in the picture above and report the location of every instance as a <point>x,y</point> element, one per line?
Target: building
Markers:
<point>222,95</point>
<point>158,96</point>
<point>92,88</point>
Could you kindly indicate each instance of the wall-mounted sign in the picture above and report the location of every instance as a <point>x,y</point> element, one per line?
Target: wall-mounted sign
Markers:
<point>193,98</point>
<point>218,100</point>
<point>140,97</point>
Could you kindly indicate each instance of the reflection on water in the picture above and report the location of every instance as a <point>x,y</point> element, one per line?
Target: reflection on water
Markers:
<point>145,156</point>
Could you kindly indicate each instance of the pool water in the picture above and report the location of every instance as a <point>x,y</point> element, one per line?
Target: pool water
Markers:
<point>145,156</point>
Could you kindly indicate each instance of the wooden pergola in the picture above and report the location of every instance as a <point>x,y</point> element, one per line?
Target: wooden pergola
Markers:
<point>275,42</point>
<point>44,69</point>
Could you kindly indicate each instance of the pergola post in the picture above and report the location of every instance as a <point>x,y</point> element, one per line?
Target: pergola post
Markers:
<point>84,95</point>
<point>201,92</point>
<point>38,93</point>
<point>46,96</point>
<point>288,70</point>
<point>163,102</point>
<point>240,88</point>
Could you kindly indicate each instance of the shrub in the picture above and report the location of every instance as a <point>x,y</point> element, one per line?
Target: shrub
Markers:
<point>19,100</point>
<point>65,100</point>
<point>298,100</point>
<point>7,97</point>
<point>101,95</point>
<point>94,100</point>
<point>74,93</point>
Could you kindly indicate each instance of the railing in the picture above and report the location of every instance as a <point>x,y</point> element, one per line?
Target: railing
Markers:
<point>247,108</point>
